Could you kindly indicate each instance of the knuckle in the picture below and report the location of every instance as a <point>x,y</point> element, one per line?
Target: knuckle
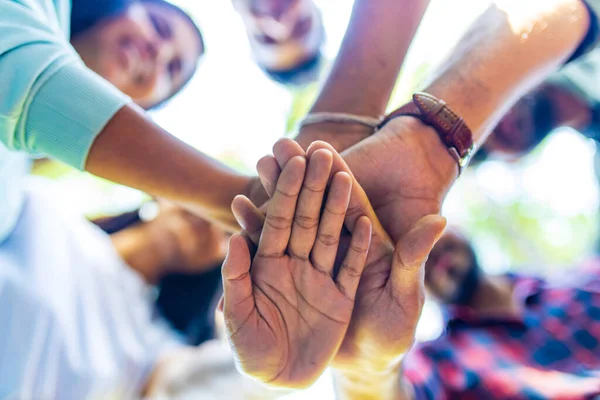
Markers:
<point>286,192</point>
<point>352,270</point>
<point>314,188</point>
<point>337,212</point>
<point>278,222</point>
<point>319,267</point>
<point>328,239</point>
<point>306,222</point>
<point>409,267</point>
<point>267,255</point>
<point>359,249</point>
<point>356,209</point>
<point>300,254</point>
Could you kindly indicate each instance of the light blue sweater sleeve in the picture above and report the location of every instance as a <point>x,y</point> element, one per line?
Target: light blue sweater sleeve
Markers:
<point>50,103</point>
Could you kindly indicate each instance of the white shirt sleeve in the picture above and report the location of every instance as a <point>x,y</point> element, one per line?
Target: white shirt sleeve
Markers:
<point>77,323</point>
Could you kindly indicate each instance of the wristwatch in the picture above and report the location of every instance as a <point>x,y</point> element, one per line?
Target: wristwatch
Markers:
<point>452,129</point>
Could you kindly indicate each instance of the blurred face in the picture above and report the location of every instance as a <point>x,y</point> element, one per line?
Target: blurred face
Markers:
<point>516,132</point>
<point>451,272</point>
<point>148,52</point>
<point>282,33</point>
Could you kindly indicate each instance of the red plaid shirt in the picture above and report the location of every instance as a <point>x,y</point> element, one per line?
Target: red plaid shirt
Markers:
<point>551,351</point>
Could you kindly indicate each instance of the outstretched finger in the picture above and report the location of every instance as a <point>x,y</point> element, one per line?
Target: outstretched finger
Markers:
<point>268,173</point>
<point>358,206</point>
<point>354,262</point>
<point>285,149</point>
<point>238,300</point>
<point>330,227</point>
<point>276,231</point>
<point>412,251</point>
<point>249,217</point>
<point>269,167</point>
<point>310,203</point>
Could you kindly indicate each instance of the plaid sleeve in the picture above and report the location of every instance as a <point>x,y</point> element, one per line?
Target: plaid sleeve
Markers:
<point>420,372</point>
<point>592,39</point>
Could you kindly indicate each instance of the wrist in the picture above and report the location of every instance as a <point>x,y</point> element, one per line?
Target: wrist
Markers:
<point>423,138</point>
<point>364,383</point>
<point>340,135</point>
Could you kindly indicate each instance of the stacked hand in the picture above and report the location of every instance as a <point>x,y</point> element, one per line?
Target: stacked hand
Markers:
<point>286,311</point>
<point>390,295</point>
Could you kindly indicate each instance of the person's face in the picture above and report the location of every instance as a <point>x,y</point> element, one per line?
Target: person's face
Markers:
<point>148,52</point>
<point>451,271</point>
<point>516,131</point>
<point>282,33</point>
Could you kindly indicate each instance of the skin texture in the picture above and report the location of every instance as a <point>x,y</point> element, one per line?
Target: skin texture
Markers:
<point>389,294</point>
<point>366,68</point>
<point>406,171</point>
<point>148,52</point>
<point>185,176</point>
<point>479,81</point>
<point>286,317</point>
<point>189,177</point>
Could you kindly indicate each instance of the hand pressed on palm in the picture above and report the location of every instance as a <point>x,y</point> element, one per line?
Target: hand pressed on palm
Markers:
<point>390,296</point>
<point>286,315</point>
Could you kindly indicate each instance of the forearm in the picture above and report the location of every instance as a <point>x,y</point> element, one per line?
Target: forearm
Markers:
<point>365,385</point>
<point>510,49</point>
<point>367,66</point>
<point>133,151</point>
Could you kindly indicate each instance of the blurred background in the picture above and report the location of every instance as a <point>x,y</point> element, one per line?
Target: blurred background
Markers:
<point>539,214</point>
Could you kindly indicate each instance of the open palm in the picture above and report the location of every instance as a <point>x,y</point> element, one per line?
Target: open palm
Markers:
<point>286,315</point>
<point>391,293</point>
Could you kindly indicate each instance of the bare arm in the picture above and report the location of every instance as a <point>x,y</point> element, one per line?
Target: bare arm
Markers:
<point>509,50</point>
<point>512,47</point>
<point>366,68</point>
<point>133,151</point>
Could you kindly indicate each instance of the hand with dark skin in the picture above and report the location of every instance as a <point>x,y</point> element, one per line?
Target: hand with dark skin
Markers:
<point>189,178</point>
<point>366,68</point>
<point>391,293</point>
<point>406,170</point>
<point>285,311</point>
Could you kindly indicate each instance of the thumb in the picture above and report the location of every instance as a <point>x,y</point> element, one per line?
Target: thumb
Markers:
<point>412,251</point>
<point>238,300</point>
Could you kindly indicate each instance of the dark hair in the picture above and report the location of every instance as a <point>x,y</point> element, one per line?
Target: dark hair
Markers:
<point>300,75</point>
<point>85,14</point>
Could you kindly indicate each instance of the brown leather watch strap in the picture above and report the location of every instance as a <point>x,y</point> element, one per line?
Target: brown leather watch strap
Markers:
<point>451,128</point>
